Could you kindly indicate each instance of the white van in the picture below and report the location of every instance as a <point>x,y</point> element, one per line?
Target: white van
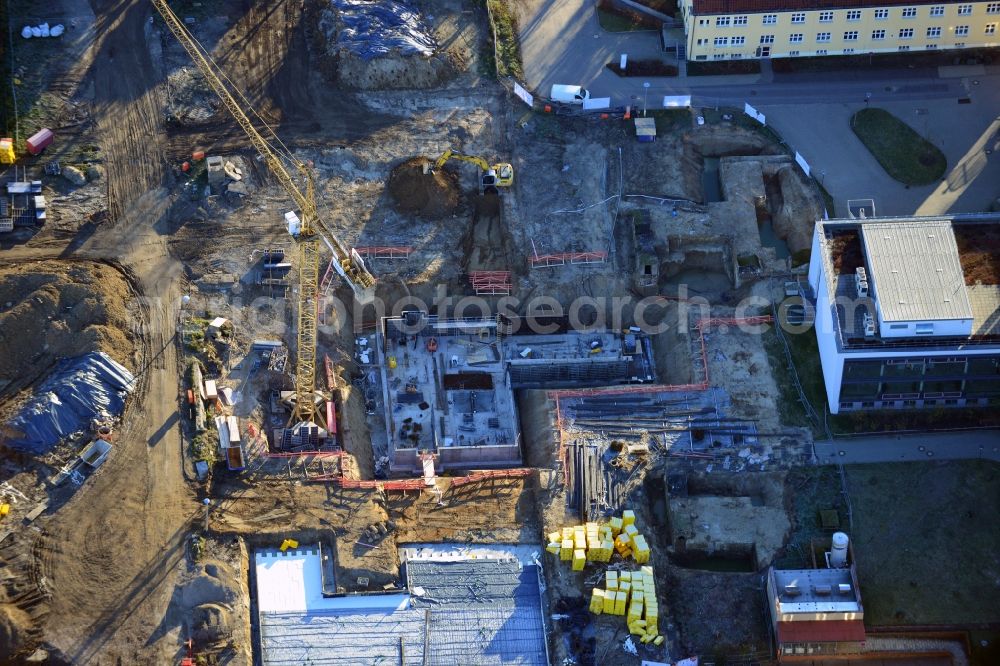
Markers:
<point>568,94</point>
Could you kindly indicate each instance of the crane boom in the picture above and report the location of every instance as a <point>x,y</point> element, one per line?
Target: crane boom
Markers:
<point>313,228</point>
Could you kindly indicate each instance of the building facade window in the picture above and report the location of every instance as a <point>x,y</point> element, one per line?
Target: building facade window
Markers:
<point>702,21</point>
<point>909,12</point>
<point>959,45</point>
<point>739,20</point>
<point>799,17</point>
<point>904,47</point>
<point>793,53</point>
<point>906,33</point>
<point>770,19</point>
<point>721,41</point>
<point>795,37</point>
<point>933,33</point>
<point>993,8</point>
<point>961,30</point>
<point>991,28</point>
<point>721,21</point>
<point>878,34</point>
<point>767,39</point>
<point>825,17</point>
<point>851,36</point>
<point>848,51</point>
<point>702,42</point>
<point>937,11</point>
<point>822,36</point>
<point>854,15</point>
<point>739,41</point>
<point>821,52</point>
<point>964,10</point>
<point>930,46</point>
<point>881,14</point>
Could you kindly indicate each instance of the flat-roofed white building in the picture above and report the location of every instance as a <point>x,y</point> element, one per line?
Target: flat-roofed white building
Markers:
<point>908,311</point>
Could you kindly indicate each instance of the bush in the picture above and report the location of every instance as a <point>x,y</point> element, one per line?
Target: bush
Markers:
<point>508,47</point>
<point>616,19</point>
<point>643,68</point>
<point>719,67</point>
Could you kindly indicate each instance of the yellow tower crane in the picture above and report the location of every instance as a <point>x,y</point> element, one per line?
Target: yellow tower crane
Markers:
<point>309,229</point>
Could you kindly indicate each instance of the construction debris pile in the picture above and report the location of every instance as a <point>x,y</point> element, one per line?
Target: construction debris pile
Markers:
<point>374,29</point>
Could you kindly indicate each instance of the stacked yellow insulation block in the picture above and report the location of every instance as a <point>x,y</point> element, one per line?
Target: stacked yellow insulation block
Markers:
<point>632,594</point>
<point>596,542</point>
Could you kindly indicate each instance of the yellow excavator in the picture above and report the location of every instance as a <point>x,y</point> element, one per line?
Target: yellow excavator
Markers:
<point>493,176</point>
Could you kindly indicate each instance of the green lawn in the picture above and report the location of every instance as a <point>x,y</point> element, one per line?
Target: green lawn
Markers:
<point>923,534</point>
<point>904,154</point>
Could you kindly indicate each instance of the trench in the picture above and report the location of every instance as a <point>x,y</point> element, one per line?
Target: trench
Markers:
<point>765,219</point>
<point>711,185</point>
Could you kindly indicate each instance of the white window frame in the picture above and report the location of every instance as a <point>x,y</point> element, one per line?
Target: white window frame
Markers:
<point>881,14</point>
<point>937,11</point>
<point>878,35</point>
<point>720,42</point>
<point>826,17</point>
<point>909,12</point>
<point>823,37</point>
<point>721,21</point>
<point>740,20</point>
<point>933,32</point>
<point>991,29</point>
<point>965,10</point>
<point>961,30</point>
<point>795,38</point>
<point>741,40</point>
<point>770,19</point>
<point>767,39</point>
<point>799,17</point>
<point>851,36</point>
<point>993,8</point>
<point>906,33</point>
<point>854,15</point>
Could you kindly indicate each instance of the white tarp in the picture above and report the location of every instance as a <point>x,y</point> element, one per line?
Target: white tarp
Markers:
<point>596,103</point>
<point>525,96</point>
<point>802,162</point>
<point>677,101</point>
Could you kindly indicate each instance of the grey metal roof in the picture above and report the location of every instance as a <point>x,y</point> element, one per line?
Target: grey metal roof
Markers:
<point>915,269</point>
<point>472,612</point>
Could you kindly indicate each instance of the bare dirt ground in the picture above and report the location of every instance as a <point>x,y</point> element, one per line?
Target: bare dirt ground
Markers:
<point>110,574</point>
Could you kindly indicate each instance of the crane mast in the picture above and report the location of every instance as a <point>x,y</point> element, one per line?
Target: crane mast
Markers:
<point>313,228</point>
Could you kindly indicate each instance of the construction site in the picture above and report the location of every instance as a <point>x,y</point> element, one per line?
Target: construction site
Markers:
<point>319,339</point>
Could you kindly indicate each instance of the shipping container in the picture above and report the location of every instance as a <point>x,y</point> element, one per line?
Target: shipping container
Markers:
<point>38,141</point>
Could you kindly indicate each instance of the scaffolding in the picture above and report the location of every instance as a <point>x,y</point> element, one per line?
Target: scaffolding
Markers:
<point>491,283</point>
<point>561,259</point>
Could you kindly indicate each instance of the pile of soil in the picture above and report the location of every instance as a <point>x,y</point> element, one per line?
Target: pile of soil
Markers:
<point>979,252</point>
<point>432,196</point>
<point>52,310</point>
<point>15,632</point>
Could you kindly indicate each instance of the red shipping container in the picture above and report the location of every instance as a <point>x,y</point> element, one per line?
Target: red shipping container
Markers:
<point>39,140</point>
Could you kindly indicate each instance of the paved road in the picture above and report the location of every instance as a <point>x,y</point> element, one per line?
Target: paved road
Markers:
<point>982,444</point>
<point>562,42</point>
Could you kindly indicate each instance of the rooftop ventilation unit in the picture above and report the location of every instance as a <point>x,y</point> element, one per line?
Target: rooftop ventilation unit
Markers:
<point>792,590</point>
<point>844,588</point>
<point>822,590</point>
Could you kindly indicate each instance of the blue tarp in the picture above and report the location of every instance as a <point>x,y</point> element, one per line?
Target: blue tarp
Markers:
<point>79,390</point>
<point>375,28</point>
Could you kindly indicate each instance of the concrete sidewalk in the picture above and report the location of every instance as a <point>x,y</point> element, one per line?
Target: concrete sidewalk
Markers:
<point>964,445</point>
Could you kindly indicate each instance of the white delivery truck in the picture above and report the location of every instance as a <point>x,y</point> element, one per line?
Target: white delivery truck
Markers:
<point>569,94</point>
